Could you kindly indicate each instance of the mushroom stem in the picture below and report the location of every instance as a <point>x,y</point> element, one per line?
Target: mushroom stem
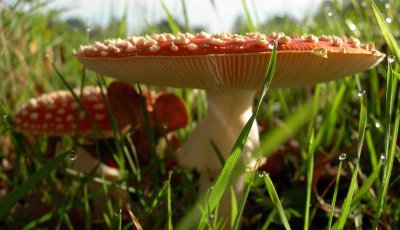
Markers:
<point>85,163</point>
<point>228,113</point>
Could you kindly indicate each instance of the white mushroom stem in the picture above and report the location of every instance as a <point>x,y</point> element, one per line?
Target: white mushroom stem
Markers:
<point>85,163</point>
<point>228,113</point>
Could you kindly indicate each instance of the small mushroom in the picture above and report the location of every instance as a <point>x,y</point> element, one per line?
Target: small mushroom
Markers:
<point>58,114</point>
<point>230,68</point>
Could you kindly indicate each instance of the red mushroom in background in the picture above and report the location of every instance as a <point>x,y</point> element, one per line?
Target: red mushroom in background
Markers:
<point>59,114</point>
<point>231,68</point>
<point>166,112</point>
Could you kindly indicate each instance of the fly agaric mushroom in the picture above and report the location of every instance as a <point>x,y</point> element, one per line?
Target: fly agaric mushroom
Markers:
<point>58,114</point>
<point>166,113</point>
<point>230,68</point>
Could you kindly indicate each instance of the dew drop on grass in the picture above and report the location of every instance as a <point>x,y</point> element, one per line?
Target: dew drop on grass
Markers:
<point>391,58</point>
<point>330,14</point>
<point>72,155</point>
<point>387,5</point>
<point>118,212</point>
<point>4,119</point>
<point>352,27</point>
<point>364,4</point>
<point>271,44</point>
<point>211,217</point>
<point>342,156</point>
<point>88,30</point>
<point>165,126</point>
<point>383,157</point>
<point>263,174</point>
<point>388,20</point>
<point>377,125</point>
<point>361,93</point>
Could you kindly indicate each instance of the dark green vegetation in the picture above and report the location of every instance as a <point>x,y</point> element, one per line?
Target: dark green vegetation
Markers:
<point>331,143</point>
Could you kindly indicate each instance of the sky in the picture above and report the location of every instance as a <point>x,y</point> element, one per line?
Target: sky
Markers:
<point>201,12</point>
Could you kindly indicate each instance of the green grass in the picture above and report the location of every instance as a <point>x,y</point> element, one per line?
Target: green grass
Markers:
<point>304,132</point>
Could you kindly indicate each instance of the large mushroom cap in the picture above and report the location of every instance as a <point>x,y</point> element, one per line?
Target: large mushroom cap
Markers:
<point>228,61</point>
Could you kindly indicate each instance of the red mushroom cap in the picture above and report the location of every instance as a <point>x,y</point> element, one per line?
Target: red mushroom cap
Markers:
<point>228,60</point>
<point>57,113</point>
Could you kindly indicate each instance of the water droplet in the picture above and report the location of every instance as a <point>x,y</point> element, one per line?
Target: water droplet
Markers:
<point>387,5</point>
<point>352,27</point>
<point>361,93</point>
<point>342,156</point>
<point>72,155</point>
<point>263,174</point>
<point>211,188</point>
<point>118,212</point>
<point>211,217</point>
<point>391,58</point>
<point>271,44</point>
<point>388,20</point>
<point>165,126</point>
<point>383,157</point>
<point>377,125</point>
<point>89,29</point>
<point>364,4</point>
<point>330,14</point>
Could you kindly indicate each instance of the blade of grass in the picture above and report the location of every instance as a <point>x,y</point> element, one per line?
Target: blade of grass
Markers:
<point>217,153</point>
<point>171,22</point>
<point>353,184</point>
<point>86,208</point>
<point>339,170</point>
<point>43,219</point>
<point>270,218</point>
<point>135,220</point>
<point>367,184</point>
<point>397,75</point>
<point>385,30</point>
<point>234,206</point>
<point>155,202</point>
<point>170,227</point>
<point>20,191</point>
<point>224,178</point>
<point>275,200</point>
<point>185,16</point>
<point>310,155</point>
<point>249,20</point>
<point>244,199</point>
<point>391,138</point>
<point>310,170</point>
<point>122,23</point>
